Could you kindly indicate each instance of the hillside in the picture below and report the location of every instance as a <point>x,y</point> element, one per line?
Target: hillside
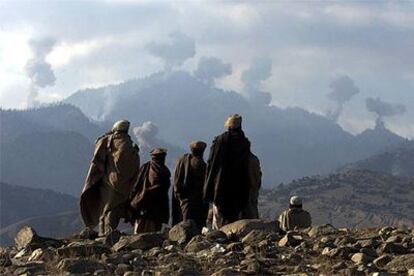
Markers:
<point>48,147</point>
<point>356,198</point>
<point>291,143</point>
<point>53,213</point>
<point>398,162</point>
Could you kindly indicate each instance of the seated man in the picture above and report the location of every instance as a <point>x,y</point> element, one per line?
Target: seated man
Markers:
<point>295,216</point>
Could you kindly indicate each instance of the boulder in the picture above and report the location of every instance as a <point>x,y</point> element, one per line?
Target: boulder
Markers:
<point>197,244</point>
<point>322,230</point>
<point>382,261</point>
<point>77,265</point>
<point>254,237</point>
<point>401,264</point>
<point>243,227</point>
<point>88,234</point>
<point>216,236</point>
<point>361,258</point>
<point>183,232</point>
<point>393,248</point>
<point>82,250</point>
<point>290,240</point>
<point>143,241</point>
<point>28,238</point>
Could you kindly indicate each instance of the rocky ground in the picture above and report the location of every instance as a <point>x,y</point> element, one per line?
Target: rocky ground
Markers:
<point>247,247</point>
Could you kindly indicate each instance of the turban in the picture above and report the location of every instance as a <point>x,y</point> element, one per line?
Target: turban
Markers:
<point>158,151</point>
<point>198,145</point>
<point>233,122</point>
<point>122,125</point>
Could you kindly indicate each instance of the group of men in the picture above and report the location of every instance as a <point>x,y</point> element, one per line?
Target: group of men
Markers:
<point>212,194</point>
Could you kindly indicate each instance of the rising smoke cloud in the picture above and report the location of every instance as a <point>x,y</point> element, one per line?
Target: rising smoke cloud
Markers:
<point>211,68</point>
<point>383,109</point>
<point>180,48</point>
<point>146,135</point>
<point>260,70</point>
<point>343,89</point>
<point>38,69</point>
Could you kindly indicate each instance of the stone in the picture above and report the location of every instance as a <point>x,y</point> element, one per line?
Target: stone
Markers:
<point>381,261</point>
<point>28,238</point>
<point>369,251</point>
<point>243,227</point>
<point>77,265</point>
<point>290,240</point>
<point>410,272</point>
<point>254,237</point>
<point>183,232</point>
<point>88,234</point>
<point>30,269</point>
<point>401,264</point>
<point>121,269</point>
<point>5,260</point>
<point>197,244</point>
<point>101,272</point>
<point>143,241</point>
<point>393,248</point>
<point>361,258</point>
<point>82,250</point>
<point>226,272</point>
<point>322,230</point>
<point>216,236</point>
<point>132,273</point>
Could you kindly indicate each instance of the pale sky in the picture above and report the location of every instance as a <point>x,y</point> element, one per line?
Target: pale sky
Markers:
<point>310,44</point>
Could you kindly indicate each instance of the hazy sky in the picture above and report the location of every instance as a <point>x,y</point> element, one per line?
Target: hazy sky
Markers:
<point>94,43</point>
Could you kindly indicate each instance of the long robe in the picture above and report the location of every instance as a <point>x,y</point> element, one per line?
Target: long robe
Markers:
<point>189,176</point>
<point>150,197</point>
<point>255,181</point>
<point>111,176</point>
<point>227,183</point>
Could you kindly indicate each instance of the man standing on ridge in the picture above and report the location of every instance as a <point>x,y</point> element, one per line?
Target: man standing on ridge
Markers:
<point>112,174</point>
<point>227,179</point>
<point>189,176</point>
<point>150,196</point>
<point>251,210</point>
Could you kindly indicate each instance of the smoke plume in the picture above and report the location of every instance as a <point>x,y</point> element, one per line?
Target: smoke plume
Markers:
<point>383,109</point>
<point>38,69</point>
<point>259,70</point>
<point>211,68</point>
<point>343,89</point>
<point>180,48</point>
<point>146,135</point>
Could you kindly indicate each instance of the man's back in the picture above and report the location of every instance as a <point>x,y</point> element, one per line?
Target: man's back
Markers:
<point>295,218</point>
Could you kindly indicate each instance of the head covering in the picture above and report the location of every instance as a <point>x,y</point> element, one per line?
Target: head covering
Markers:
<point>295,201</point>
<point>122,125</point>
<point>198,145</point>
<point>233,122</point>
<point>158,151</point>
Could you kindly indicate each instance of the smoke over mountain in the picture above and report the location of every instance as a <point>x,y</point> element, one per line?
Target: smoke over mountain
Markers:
<point>343,89</point>
<point>180,48</point>
<point>38,69</point>
<point>211,68</point>
<point>259,70</point>
<point>146,135</point>
<point>384,109</point>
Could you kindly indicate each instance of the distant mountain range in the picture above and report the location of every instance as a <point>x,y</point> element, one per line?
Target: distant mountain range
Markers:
<point>48,147</point>
<point>398,162</point>
<point>356,198</point>
<point>290,143</point>
<point>53,213</point>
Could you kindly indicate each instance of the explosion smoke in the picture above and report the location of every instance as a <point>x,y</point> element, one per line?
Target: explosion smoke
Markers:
<point>211,68</point>
<point>180,48</point>
<point>259,70</point>
<point>146,135</point>
<point>343,89</point>
<point>38,70</point>
<point>383,109</point>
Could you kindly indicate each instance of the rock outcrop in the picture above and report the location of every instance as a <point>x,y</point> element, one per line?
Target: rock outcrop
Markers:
<point>250,247</point>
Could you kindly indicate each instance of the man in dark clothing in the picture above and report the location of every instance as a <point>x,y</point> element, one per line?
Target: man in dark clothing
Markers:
<point>251,210</point>
<point>227,180</point>
<point>189,176</point>
<point>111,177</point>
<point>150,194</point>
